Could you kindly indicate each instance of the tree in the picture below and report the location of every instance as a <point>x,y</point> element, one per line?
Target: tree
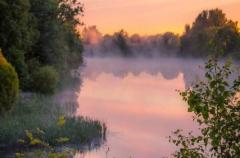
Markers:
<point>216,107</point>
<point>42,32</point>
<point>170,41</point>
<point>121,41</point>
<point>17,33</point>
<point>210,18</point>
<point>211,30</point>
<point>59,44</point>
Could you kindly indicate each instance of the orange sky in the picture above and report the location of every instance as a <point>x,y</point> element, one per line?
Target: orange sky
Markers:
<point>151,16</point>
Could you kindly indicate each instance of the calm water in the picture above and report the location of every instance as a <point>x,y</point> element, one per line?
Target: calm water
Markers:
<point>137,99</point>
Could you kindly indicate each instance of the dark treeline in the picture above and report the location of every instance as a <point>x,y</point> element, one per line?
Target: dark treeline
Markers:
<point>39,38</point>
<point>211,33</point>
<point>121,44</point>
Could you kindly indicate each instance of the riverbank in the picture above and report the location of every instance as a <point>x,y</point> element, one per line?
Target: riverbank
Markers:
<point>38,121</point>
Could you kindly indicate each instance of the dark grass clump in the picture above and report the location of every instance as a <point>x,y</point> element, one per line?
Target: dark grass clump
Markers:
<point>46,122</point>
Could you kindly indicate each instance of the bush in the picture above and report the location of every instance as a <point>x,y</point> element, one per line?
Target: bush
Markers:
<point>9,85</point>
<point>216,107</point>
<point>44,80</point>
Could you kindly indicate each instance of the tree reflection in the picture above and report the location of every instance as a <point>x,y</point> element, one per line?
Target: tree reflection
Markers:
<point>169,68</point>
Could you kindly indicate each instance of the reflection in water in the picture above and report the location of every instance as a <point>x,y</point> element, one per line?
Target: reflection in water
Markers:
<point>168,67</point>
<point>137,99</point>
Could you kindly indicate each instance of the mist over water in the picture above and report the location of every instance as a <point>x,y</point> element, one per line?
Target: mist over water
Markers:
<point>121,44</point>
<point>138,101</point>
<point>169,68</point>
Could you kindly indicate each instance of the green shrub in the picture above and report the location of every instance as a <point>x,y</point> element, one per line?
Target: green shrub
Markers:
<point>44,80</point>
<point>9,85</point>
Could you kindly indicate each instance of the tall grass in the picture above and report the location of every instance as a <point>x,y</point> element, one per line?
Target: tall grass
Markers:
<point>40,112</point>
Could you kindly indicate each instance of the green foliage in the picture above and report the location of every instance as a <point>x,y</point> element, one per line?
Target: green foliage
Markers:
<point>59,44</point>
<point>216,106</point>
<point>42,31</point>
<point>19,155</point>
<point>33,122</point>
<point>44,80</point>
<point>61,121</point>
<point>35,138</point>
<point>17,32</point>
<point>212,33</point>
<point>9,85</point>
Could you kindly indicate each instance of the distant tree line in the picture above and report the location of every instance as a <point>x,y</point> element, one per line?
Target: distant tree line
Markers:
<point>210,34</point>
<point>121,44</point>
<point>39,38</point>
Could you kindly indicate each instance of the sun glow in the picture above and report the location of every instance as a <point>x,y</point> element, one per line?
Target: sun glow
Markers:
<point>151,16</point>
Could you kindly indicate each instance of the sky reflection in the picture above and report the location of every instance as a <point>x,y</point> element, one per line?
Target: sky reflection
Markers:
<point>140,110</point>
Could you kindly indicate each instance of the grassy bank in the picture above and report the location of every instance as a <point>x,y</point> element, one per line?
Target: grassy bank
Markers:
<point>40,118</point>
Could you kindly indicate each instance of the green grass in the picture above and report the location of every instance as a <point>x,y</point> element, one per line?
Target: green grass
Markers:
<point>40,112</point>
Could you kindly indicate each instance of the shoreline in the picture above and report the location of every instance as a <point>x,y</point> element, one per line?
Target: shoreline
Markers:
<point>38,122</point>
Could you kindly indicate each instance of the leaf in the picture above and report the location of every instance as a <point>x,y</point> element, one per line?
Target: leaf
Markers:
<point>63,140</point>
<point>40,131</point>
<point>35,141</point>
<point>212,84</point>
<point>208,76</point>
<point>29,135</point>
<point>19,155</point>
<point>21,141</point>
<point>61,121</point>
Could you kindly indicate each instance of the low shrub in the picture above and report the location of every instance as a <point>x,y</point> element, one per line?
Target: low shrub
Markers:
<point>44,80</point>
<point>9,85</point>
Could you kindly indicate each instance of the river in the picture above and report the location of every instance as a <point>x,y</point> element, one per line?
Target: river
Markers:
<point>139,102</point>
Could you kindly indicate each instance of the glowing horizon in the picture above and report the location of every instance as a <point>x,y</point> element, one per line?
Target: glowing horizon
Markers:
<point>147,17</point>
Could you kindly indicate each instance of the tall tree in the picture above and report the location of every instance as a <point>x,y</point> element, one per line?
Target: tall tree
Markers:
<point>211,32</point>
<point>17,32</point>
<point>59,43</point>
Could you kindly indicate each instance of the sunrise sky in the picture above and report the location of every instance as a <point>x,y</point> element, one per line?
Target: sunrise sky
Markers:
<point>151,16</point>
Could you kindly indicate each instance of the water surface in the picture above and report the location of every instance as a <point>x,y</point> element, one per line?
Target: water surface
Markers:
<point>138,101</point>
